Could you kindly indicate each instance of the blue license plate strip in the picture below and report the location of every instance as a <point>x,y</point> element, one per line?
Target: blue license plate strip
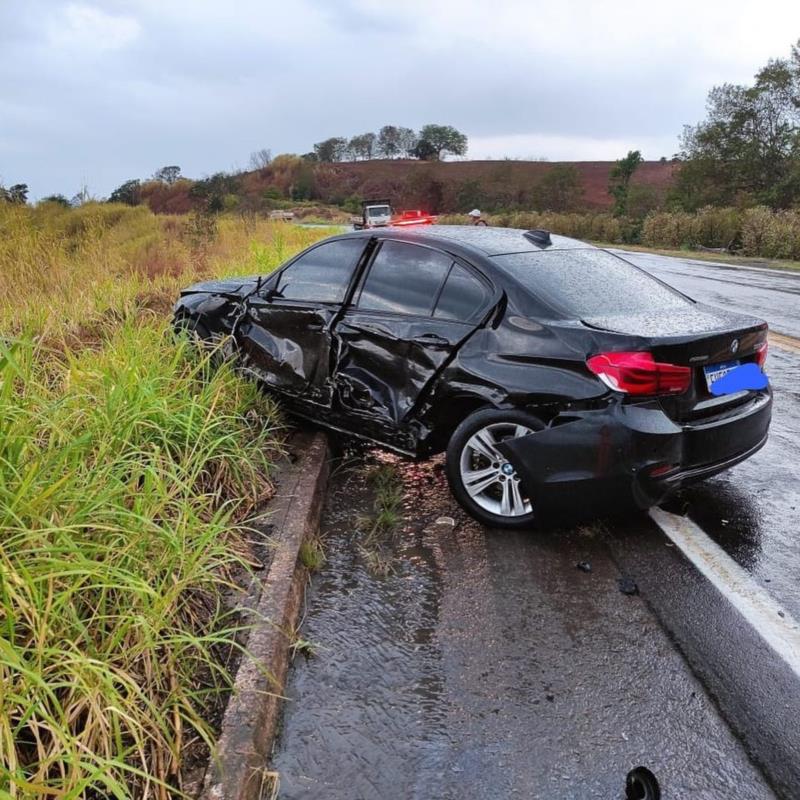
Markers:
<point>714,372</point>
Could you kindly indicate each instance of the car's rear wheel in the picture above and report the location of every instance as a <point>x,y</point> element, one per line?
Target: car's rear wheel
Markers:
<point>480,477</point>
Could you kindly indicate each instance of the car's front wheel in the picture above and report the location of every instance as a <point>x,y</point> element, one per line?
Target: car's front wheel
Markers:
<point>204,341</point>
<point>480,477</point>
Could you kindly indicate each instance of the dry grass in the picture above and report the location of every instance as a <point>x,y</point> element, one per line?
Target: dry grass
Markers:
<point>127,469</point>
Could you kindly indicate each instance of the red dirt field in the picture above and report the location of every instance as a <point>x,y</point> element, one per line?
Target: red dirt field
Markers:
<point>384,178</point>
<point>443,186</point>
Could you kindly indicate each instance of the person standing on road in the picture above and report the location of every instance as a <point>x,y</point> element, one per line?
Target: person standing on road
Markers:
<point>475,217</point>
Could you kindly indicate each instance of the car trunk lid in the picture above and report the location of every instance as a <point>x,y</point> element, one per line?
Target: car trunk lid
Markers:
<point>697,337</point>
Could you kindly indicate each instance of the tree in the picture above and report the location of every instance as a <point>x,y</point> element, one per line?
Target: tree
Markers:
<point>17,194</point>
<point>333,149</point>
<point>129,193</point>
<point>302,186</point>
<point>214,190</point>
<point>260,159</point>
<point>470,194</point>
<point>620,180</point>
<point>748,147</point>
<point>642,199</point>
<point>441,139</point>
<point>168,175</point>
<point>362,146</point>
<point>389,141</point>
<point>559,189</point>
<point>58,199</point>
<point>407,141</point>
<point>424,150</point>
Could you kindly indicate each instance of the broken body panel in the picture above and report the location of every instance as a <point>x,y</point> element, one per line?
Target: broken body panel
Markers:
<point>406,381</point>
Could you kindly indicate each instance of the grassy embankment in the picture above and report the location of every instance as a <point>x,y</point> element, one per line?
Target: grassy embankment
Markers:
<point>758,236</point>
<point>127,472</point>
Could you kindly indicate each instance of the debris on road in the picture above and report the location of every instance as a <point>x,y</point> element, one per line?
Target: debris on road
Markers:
<point>584,566</point>
<point>627,585</point>
<point>641,784</point>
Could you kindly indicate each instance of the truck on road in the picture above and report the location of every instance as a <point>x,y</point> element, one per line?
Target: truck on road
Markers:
<point>374,214</point>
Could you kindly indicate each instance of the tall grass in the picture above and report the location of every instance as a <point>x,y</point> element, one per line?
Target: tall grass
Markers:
<point>128,470</point>
<point>758,232</point>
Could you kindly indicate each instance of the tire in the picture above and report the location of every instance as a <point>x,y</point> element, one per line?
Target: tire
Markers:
<point>498,503</point>
<point>193,328</point>
<point>203,340</point>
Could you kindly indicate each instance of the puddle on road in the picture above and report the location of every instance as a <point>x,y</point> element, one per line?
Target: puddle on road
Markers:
<point>378,667</point>
<point>485,664</point>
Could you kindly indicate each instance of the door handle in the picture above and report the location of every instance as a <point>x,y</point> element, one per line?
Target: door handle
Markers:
<point>431,340</point>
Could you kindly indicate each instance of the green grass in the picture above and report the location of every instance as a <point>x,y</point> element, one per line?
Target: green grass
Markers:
<point>128,472</point>
<point>382,518</point>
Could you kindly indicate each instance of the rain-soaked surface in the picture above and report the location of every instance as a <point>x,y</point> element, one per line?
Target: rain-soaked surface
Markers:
<point>484,664</point>
<point>752,510</point>
<point>769,294</point>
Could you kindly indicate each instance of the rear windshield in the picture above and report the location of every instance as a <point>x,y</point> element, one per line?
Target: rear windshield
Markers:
<point>589,283</point>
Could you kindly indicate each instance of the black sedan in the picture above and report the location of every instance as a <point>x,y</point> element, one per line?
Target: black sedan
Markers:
<point>555,375</point>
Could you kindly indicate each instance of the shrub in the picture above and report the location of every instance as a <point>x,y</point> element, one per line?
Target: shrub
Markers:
<point>754,232</point>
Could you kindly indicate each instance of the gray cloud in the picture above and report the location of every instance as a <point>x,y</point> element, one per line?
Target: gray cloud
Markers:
<point>103,91</point>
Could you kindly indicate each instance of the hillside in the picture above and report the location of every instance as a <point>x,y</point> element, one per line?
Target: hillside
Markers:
<point>437,186</point>
<point>412,182</point>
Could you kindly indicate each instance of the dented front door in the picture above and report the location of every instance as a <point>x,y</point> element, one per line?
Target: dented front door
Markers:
<point>285,335</point>
<point>288,345</point>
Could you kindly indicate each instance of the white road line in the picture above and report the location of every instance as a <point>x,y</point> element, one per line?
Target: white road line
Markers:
<point>772,622</point>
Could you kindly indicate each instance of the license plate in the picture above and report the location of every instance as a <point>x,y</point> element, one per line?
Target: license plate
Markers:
<point>714,372</point>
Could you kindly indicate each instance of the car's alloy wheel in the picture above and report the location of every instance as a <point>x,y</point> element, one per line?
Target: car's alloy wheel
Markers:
<point>482,479</point>
<point>490,480</point>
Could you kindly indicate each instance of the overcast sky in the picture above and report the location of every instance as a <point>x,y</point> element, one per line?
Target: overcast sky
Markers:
<point>99,91</point>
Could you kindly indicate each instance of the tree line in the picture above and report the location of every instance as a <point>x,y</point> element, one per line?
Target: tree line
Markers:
<point>393,141</point>
<point>746,152</point>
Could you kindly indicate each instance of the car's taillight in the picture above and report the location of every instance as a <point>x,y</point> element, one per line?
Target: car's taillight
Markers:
<point>761,354</point>
<point>640,373</point>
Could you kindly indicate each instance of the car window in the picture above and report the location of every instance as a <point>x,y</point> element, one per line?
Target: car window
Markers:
<point>404,278</point>
<point>588,283</point>
<point>463,295</point>
<point>323,274</point>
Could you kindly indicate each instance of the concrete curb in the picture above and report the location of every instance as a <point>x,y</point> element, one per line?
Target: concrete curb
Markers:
<point>239,762</point>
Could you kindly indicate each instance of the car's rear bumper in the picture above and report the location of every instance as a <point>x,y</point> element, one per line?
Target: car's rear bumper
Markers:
<point>600,459</point>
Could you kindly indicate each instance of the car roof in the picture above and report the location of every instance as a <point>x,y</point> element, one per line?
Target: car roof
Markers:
<point>479,238</point>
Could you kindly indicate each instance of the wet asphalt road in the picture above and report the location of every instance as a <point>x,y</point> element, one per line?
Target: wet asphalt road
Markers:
<point>753,510</point>
<point>487,665</point>
<point>771,294</point>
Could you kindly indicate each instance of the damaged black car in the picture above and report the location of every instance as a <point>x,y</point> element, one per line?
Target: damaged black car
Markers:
<point>555,375</point>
